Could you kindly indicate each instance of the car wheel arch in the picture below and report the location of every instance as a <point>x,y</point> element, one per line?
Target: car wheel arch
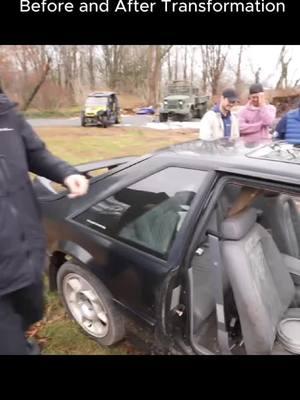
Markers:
<point>67,251</point>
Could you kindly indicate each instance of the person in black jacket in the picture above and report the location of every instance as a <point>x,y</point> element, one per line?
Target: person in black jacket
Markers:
<point>22,239</point>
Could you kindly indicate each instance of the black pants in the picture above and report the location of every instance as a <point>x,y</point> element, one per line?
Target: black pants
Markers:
<point>18,311</point>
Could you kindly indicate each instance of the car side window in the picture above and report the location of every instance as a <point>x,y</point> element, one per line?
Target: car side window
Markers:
<point>149,213</point>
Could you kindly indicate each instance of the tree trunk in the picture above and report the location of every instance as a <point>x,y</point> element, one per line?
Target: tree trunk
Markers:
<point>283,79</point>
<point>213,63</point>
<point>176,65</point>
<point>38,86</point>
<point>155,57</point>
<point>169,68</point>
<point>185,63</point>
<point>257,76</point>
<point>238,79</point>
<point>151,67</point>
<point>192,66</point>
<point>91,68</point>
<point>81,66</point>
<point>204,82</point>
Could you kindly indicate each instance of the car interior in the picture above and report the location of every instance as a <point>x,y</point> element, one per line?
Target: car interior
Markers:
<point>155,224</point>
<point>259,232</point>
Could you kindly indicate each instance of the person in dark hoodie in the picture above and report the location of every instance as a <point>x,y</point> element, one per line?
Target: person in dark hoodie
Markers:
<point>22,238</point>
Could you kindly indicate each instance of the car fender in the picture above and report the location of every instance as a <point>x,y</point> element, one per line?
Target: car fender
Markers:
<point>63,251</point>
<point>75,251</point>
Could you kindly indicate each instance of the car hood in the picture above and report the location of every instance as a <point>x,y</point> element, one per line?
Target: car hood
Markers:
<point>94,109</point>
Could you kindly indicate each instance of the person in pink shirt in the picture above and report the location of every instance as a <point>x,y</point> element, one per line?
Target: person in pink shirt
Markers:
<point>257,117</point>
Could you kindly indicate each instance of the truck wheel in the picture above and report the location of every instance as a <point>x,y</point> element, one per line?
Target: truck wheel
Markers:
<point>190,115</point>
<point>201,113</point>
<point>90,304</point>
<point>163,117</point>
<point>104,121</point>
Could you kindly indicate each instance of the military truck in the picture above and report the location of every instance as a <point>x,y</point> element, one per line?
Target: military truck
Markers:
<point>182,102</point>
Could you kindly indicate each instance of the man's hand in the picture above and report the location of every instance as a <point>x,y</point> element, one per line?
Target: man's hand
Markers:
<point>77,184</point>
<point>261,99</point>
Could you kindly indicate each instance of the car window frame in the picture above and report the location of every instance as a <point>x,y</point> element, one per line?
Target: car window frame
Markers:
<point>162,167</point>
<point>129,175</point>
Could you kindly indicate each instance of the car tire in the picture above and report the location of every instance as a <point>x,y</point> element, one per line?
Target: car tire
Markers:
<point>83,123</point>
<point>104,121</point>
<point>85,299</point>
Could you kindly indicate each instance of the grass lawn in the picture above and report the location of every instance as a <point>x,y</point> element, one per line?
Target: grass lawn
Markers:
<point>57,334</point>
<point>61,113</point>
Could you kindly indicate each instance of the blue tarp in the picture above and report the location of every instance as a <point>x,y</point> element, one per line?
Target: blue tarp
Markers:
<point>146,111</point>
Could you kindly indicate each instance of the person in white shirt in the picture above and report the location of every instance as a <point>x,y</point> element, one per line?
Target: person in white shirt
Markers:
<point>220,122</point>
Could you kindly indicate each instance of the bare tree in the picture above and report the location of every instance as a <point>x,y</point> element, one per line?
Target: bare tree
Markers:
<point>156,55</point>
<point>112,60</point>
<point>296,84</point>
<point>213,63</point>
<point>176,64</point>
<point>238,77</point>
<point>192,65</point>
<point>185,63</point>
<point>204,80</point>
<point>7,67</point>
<point>284,64</point>
<point>76,69</point>
<point>170,75</point>
<point>66,55</point>
<point>256,71</point>
<point>38,85</point>
<point>90,66</point>
<point>257,75</point>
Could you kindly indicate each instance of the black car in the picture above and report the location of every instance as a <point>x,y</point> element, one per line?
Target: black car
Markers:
<point>198,245</point>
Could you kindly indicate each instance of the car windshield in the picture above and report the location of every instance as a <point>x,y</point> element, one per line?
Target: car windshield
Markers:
<point>96,101</point>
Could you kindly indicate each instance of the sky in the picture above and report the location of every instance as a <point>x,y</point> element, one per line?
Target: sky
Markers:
<point>267,57</point>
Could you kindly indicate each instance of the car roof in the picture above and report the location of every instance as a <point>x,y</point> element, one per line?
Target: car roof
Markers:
<point>267,161</point>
